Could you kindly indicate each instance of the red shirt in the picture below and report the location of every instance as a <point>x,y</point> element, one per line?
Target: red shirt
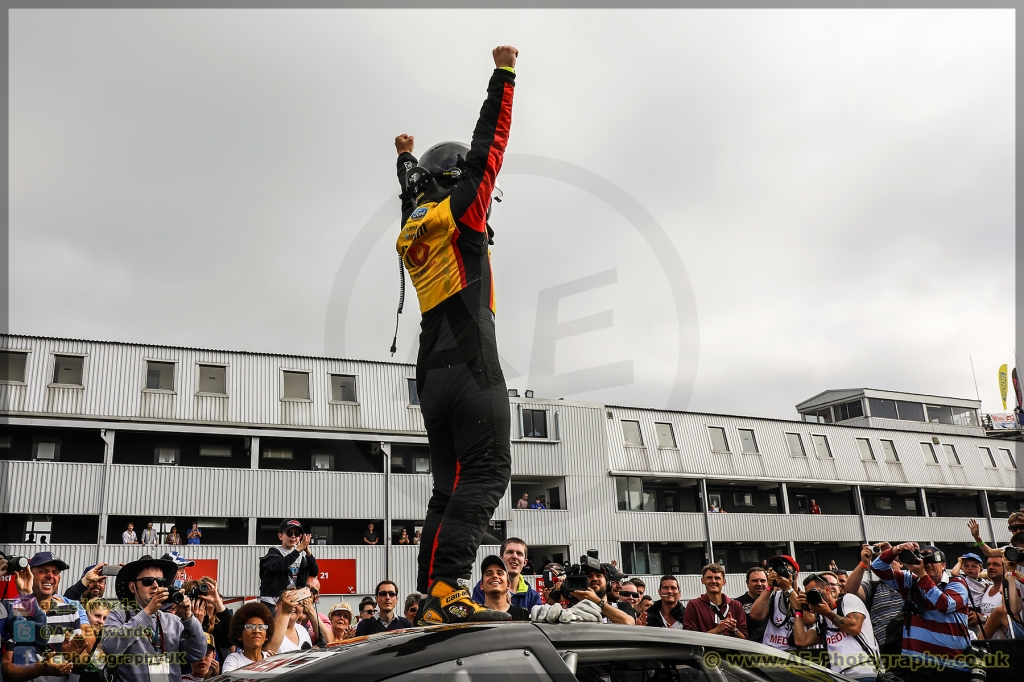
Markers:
<point>703,616</point>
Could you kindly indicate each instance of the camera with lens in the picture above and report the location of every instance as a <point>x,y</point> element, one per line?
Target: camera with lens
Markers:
<point>815,597</point>
<point>915,556</point>
<point>576,577</point>
<point>14,563</point>
<point>177,595</point>
<point>782,569</point>
<point>1010,553</point>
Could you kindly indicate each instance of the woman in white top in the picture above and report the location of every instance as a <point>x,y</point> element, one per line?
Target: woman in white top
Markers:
<point>288,612</point>
<point>252,628</point>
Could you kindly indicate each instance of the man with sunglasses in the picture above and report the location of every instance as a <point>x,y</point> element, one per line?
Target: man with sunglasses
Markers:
<point>385,620</point>
<point>148,642</point>
<point>367,608</point>
<point>1015,524</point>
<point>840,622</point>
<point>289,566</point>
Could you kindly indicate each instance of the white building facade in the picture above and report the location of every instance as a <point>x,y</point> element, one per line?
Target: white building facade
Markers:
<point>100,434</point>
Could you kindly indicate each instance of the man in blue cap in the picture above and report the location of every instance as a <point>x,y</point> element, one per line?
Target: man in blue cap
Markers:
<point>968,569</point>
<point>42,622</point>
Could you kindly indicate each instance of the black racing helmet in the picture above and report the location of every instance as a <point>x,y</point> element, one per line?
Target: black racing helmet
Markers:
<point>439,171</point>
<point>443,156</point>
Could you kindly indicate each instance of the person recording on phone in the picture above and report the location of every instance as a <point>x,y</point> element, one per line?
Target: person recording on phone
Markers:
<point>289,566</point>
<point>92,584</point>
<point>443,243</point>
<point>935,612</point>
<point>823,615</point>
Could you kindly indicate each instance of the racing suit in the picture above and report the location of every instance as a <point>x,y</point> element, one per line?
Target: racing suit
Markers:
<point>463,398</point>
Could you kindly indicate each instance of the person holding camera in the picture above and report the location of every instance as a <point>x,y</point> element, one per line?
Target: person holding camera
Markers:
<point>92,584</point>
<point>934,612</point>
<point>883,601</point>
<point>143,640</point>
<point>998,601</point>
<point>590,604</point>
<point>286,567</point>
<point>774,606</point>
<point>824,615</point>
<point>713,612</point>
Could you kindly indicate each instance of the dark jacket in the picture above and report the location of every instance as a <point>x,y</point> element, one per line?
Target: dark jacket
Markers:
<point>654,619</point>
<point>274,571</point>
<point>76,591</point>
<point>371,626</point>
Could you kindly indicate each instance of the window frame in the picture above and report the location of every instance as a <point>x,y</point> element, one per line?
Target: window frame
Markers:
<point>411,390</point>
<point>871,451</point>
<point>174,376</point>
<point>753,439</point>
<point>156,454</point>
<point>639,432</point>
<point>309,391</point>
<point>1008,459</point>
<point>828,447</point>
<point>199,379</point>
<point>736,496</point>
<point>888,503</point>
<point>523,410</point>
<point>930,450</point>
<point>24,369</point>
<point>54,356</point>
<point>725,439</point>
<point>214,446</point>
<point>321,453</point>
<point>671,435</point>
<point>800,442</point>
<point>355,388</point>
<point>990,461</point>
<point>951,450</point>
<point>885,454</point>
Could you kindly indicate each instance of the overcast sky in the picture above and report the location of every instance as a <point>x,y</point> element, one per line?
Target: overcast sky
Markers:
<point>838,186</point>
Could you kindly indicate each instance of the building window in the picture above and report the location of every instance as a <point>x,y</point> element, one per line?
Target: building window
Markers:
<point>889,451</point>
<point>718,441</point>
<point>951,457</point>
<point>850,410</point>
<point>822,416</point>
<point>1002,507</point>
<point>883,503</point>
<point>910,503</point>
<point>166,453</point>
<point>940,414</point>
<point>911,412</point>
<point>277,453</point>
<point>965,416</point>
<point>12,366</point>
<point>629,493</point>
<point>866,453</point>
<point>743,499</point>
<point>1008,458</point>
<point>631,432</point>
<point>796,445</point>
<point>296,385</point>
<point>421,465</point>
<point>748,444</point>
<point>214,450</point>
<point>414,394</point>
<point>160,376</point>
<point>666,438</point>
<point>929,453</point>
<point>46,449</point>
<point>67,370</point>
<point>343,389</point>
<point>535,423</point>
<point>883,409</point>
<point>821,448</point>
<point>323,461</point>
<point>773,500</point>
<point>38,529</point>
<point>322,535</point>
<point>990,460</point>
<point>213,379</point>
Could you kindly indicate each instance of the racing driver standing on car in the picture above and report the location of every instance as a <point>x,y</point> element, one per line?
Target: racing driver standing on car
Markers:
<point>463,399</point>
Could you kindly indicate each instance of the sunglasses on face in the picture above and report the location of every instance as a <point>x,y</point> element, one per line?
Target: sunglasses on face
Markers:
<point>368,610</point>
<point>387,593</point>
<point>149,582</point>
<point>1017,527</point>
<point>292,533</point>
<point>255,627</point>
<point>414,609</point>
<point>628,595</point>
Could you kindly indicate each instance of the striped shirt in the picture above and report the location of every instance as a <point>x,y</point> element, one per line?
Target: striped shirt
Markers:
<point>938,627</point>
<point>32,632</point>
<point>886,604</point>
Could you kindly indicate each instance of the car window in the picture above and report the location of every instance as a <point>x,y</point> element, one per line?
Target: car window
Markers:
<point>640,670</point>
<point>496,666</point>
<point>723,666</point>
<point>740,667</point>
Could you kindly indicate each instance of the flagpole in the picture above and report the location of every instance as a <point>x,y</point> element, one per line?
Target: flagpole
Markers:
<point>976,393</point>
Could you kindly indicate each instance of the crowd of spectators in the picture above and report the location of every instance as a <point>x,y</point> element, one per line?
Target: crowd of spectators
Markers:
<point>900,603</point>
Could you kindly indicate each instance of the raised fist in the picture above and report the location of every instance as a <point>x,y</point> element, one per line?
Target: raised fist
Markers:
<point>505,55</point>
<point>404,143</point>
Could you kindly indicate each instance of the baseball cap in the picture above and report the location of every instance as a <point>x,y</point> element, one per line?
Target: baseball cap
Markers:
<point>42,558</point>
<point>612,573</point>
<point>788,559</point>
<point>87,569</point>
<point>973,557</point>
<point>289,523</point>
<point>342,606</point>
<point>178,560</point>
<point>209,641</point>
<point>492,560</point>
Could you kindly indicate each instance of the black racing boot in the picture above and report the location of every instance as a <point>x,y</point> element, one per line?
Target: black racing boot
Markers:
<point>448,601</point>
